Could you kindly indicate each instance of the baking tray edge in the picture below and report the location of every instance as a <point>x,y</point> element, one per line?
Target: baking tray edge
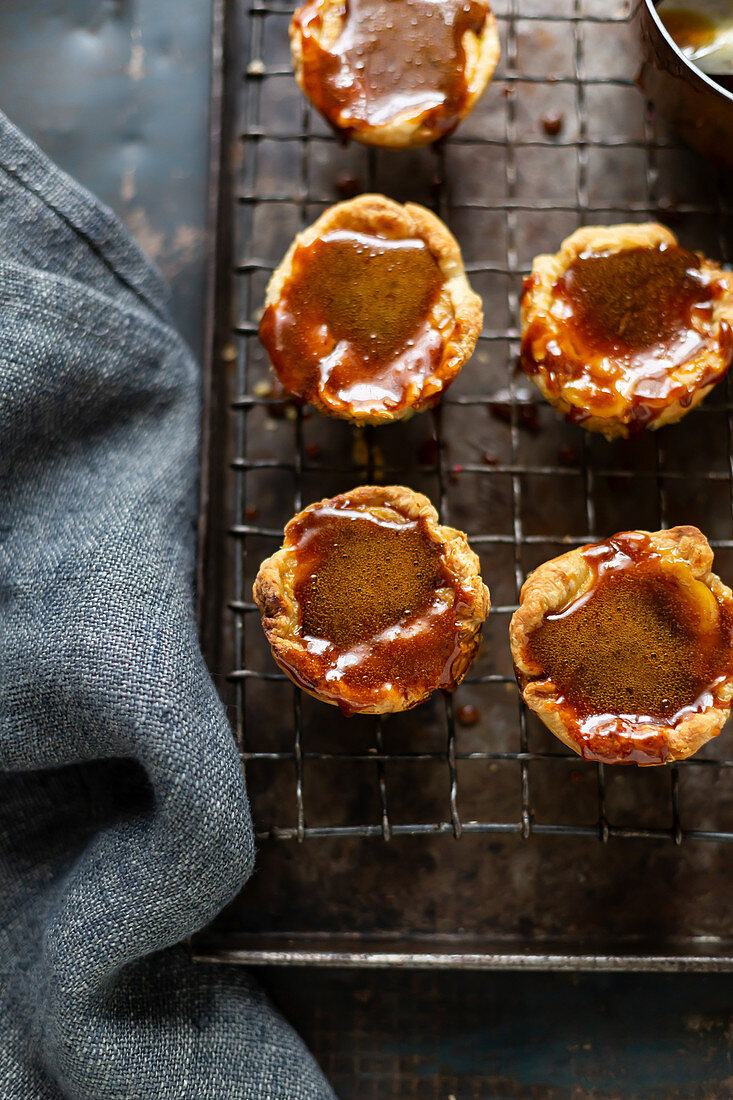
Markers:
<point>263,950</point>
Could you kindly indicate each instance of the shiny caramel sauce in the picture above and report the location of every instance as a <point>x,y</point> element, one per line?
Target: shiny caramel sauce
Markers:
<point>690,30</point>
<point>696,34</point>
<point>631,303</point>
<point>644,646</point>
<point>631,318</point>
<point>376,604</point>
<point>353,323</point>
<point>392,59</point>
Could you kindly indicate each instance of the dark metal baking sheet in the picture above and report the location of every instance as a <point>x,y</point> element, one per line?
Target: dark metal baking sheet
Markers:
<point>418,841</point>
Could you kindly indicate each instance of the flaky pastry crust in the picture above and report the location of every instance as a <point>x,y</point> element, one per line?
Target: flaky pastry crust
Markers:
<point>557,583</point>
<point>381,217</point>
<point>545,339</point>
<point>275,597</point>
<point>406,128</point>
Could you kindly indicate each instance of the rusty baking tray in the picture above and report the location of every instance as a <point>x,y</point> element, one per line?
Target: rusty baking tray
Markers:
<point>418,840</point>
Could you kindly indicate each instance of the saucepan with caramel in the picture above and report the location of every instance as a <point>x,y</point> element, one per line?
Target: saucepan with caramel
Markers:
<point>687,70</point>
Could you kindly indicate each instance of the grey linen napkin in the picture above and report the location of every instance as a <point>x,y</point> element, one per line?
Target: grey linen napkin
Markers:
<point>124,823</point>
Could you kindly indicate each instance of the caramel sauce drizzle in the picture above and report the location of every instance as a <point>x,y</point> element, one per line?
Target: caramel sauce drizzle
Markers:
<point>377,606</point>
<point>643,646</point>
<point>690,30</point>
<point>392,59</point>
<point>631,318</point>
<point>354,321</point>
<point>694,33</point>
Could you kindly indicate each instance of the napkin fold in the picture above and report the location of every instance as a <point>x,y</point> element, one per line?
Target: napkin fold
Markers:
<point>124,823</point>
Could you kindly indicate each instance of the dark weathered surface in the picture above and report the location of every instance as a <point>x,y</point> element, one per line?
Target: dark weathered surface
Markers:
<point>116,91</point>
<point>380,1037</point>
<point>515,1036</point>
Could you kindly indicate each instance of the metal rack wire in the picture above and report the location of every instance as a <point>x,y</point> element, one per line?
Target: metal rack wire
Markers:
<point>274,182</point>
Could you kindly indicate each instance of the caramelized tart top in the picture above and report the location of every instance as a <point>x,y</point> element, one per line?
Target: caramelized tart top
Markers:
<point>370,316</point>
<point>624,329</point>
<point>371,604</point>
<point>394,71</point>
<point>632,643</point>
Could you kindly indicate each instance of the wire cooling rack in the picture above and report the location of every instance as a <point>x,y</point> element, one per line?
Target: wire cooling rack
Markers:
<point>495,460</point>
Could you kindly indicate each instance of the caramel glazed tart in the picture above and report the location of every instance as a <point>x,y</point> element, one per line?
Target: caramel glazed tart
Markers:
<point>624,648</point>
<point>387,73</point>
<point>370,331</point>
<point>646,338</point>
<point>371,604</point>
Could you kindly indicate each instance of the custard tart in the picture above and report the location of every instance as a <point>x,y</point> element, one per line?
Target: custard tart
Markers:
<point>394,72</point>
<point>624,648</point>
<point>371,604</point>
<point>623,329</point>
<point>370,315</point>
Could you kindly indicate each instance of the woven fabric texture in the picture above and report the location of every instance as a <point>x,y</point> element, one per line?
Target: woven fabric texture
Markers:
<point>124,823</point>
